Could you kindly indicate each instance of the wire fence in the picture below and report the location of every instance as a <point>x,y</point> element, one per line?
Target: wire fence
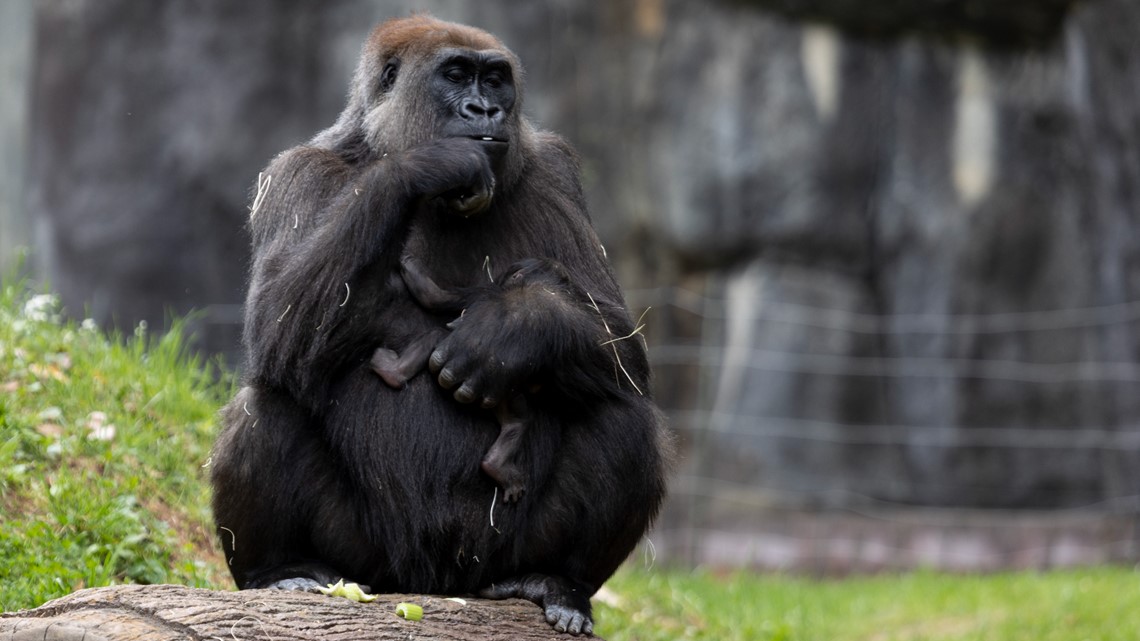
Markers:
<point>829,440</point>
<point>825,439</point>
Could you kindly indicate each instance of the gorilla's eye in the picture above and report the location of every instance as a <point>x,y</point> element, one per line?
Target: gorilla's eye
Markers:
<point>455,75</point>
<point>494,80</point>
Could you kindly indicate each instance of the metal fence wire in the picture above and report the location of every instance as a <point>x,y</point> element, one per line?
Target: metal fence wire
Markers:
<point>821,435</point>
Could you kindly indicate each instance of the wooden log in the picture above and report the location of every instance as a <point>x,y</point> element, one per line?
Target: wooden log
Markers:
<point>169,612</point>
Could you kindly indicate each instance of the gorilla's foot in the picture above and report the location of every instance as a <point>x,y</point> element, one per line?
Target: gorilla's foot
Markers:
<point>565,603</point>
<point>296,584</point>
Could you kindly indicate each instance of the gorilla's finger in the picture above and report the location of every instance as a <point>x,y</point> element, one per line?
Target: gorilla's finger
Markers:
<point>494,388</point>
<point>448,378</point>
<point>437,361</point>
<point>466,393</point>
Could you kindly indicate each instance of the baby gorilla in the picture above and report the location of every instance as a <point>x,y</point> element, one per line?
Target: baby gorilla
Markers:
<point>521,279</point>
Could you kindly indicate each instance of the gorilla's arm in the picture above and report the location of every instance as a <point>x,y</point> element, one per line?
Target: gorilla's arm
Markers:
<point>320,222</point>
<point>556,340</point>
<point>578,340</point>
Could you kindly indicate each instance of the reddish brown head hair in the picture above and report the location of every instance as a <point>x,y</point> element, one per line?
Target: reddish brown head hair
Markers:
<point>419,34</point>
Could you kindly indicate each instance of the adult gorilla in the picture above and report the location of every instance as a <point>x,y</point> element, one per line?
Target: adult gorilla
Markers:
<point>324,472</point>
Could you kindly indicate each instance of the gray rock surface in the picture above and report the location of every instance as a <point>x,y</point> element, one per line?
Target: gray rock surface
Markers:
<point>873,240</point>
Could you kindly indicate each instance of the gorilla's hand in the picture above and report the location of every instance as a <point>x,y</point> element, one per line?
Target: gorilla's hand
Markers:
<point>499,346</point>
<point>458,170</point>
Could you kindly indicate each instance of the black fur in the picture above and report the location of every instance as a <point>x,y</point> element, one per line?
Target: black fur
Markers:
<point>534,277</point>
<point>322,471</point>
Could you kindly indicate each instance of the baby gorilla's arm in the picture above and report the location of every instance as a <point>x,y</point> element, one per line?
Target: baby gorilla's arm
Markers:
<point>398,369</point>
<point>427,293</point>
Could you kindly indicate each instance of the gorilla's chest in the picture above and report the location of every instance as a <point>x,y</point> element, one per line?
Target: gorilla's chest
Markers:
<point>462,252</point>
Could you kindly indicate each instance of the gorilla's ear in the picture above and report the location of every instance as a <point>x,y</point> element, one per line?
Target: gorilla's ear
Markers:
<point>389,73</point>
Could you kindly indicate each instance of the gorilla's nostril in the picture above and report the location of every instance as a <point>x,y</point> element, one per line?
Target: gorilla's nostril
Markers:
<point>473,110</point>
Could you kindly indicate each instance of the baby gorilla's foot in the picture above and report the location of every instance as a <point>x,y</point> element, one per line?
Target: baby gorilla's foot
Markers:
<point>507,477</point>
<point>386,363</point>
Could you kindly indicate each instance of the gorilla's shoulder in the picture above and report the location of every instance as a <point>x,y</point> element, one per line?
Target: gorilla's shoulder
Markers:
<point>555,151</point>
<point>306,156</point>
<point>309,162</point>
<point>555,170</point>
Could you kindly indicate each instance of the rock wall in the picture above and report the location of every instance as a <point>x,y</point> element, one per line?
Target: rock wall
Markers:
<point>148,125</point>
<point>925,253</point>
<point>893,265</point>
<point>16,19</point>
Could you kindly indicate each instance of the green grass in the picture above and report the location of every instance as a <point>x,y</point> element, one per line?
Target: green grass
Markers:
<point>1095,604</point>
<point>102,442</point>
<point>78,511</point>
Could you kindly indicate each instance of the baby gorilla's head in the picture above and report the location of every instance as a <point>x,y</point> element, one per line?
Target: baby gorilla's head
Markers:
<point>535,271</point>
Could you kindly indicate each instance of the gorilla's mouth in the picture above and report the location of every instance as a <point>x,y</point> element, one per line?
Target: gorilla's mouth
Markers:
<point>489,138</point>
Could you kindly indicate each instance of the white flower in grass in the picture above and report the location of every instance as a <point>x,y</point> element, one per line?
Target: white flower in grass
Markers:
<point>41,308</point>
<point>97,427</point>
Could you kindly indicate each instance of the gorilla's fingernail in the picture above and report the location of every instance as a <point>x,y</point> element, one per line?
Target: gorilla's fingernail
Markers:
<point>447,379</point>
<point>465,394</point>
<point>436,361</point>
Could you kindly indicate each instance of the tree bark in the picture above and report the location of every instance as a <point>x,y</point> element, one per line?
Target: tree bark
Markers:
<point>169,612</point>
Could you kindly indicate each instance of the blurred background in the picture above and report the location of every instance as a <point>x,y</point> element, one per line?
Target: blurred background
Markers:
<point>890,247</point>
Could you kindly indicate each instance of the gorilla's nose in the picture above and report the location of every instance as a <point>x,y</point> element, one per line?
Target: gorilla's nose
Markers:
<point>478,109</point>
